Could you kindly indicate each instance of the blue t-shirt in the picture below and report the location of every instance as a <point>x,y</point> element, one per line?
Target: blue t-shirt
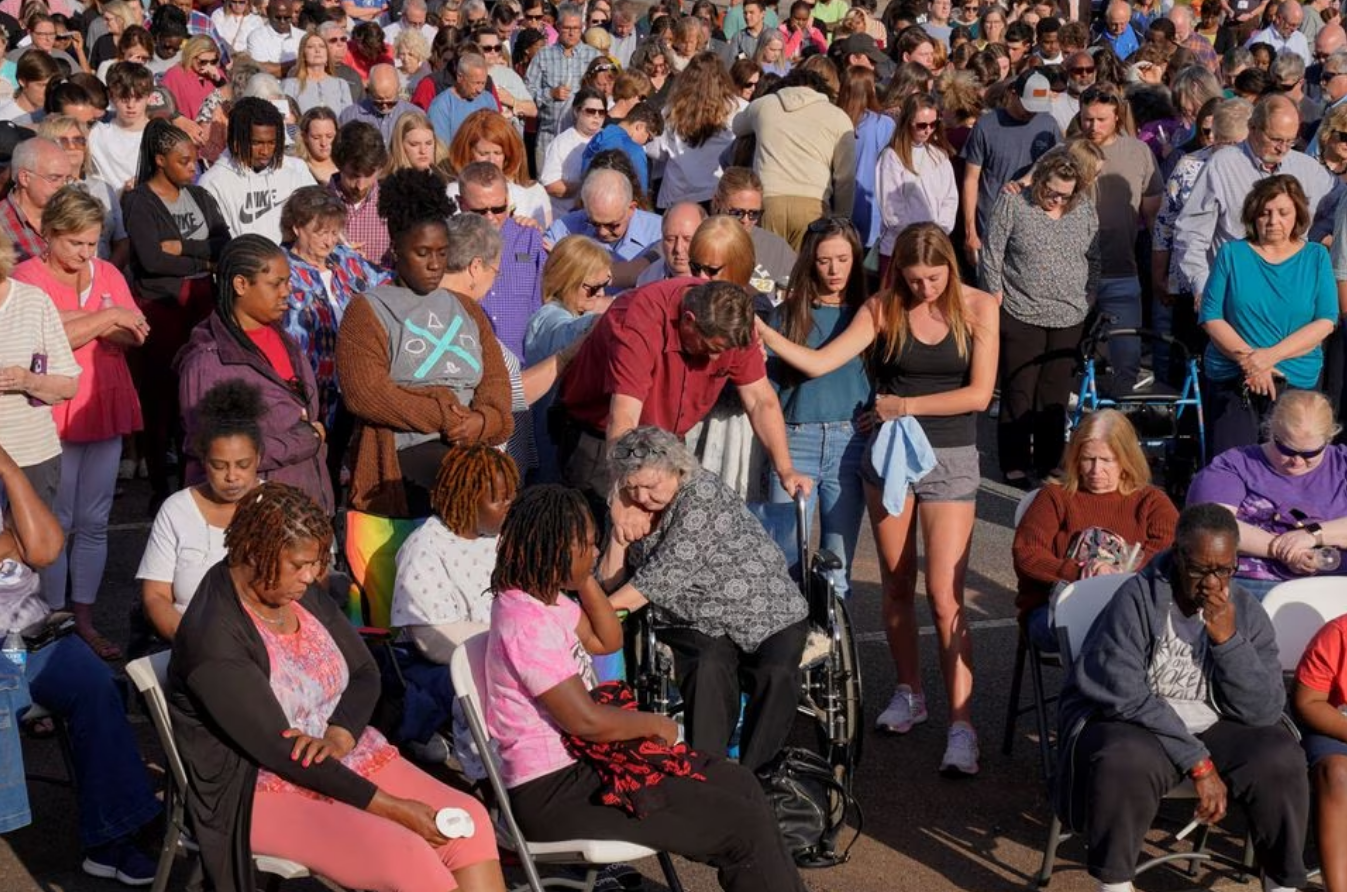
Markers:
<point>448,112</point>
<point>614,137</point>
<point>1266,302</point>
<point>836,396</point>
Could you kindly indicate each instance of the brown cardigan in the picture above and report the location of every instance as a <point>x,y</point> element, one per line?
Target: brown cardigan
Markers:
<point>382,407</point>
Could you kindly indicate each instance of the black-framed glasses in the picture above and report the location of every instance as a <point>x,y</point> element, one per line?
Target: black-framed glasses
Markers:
<point>923,126</point>
<point>597,288</point>
<point>1199,574</point>
<point>593,111</point>
<point>494,211</point>
<point>489,47</point>
<point>1081,70</point>
<point>1287,88</point>
<point>1302,454</point>
<point>704,269</point>
<point>624,451</point>
<point>1050,194</point>
<point>1325,76</point>
<point>753,214</point>
<point>605,227</point>
<point>383,103</point>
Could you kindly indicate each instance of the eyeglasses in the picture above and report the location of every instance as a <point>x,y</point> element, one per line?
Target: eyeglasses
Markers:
<point>623,451</point>
<point>212,61</point>
<point>923,125</point>
<point>489,47</point>
<point>1287,88</point>
<point>1101,96</point>
<point>383,103</point>
<point>751,85</point>
<point>56,179</point>
<point>703,269</point>
<point>1208,132</point>
<point>595,289</point>
<point>495,211</point>
<point>1305,455</point>
<point>1081,71</point>
<point>599,69</point>
<point>593,111</point>
<point>1199,574</point>
<point>1054,196</point>
<point>753,214</point>
<point>538,17</point>
<point>72,142</point>
<point>1325,76</point>
<point>1280,142</point>
<point>605,227</point>
<point>51,33</point>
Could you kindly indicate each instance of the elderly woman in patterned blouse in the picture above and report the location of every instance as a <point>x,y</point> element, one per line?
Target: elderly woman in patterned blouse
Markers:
<point>709,568</point>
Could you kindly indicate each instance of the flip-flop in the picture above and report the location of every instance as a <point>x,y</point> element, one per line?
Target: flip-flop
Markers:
<point>105,649</point>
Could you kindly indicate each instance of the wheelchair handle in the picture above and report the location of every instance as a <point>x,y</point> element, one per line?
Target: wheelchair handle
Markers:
<point>801,540</point>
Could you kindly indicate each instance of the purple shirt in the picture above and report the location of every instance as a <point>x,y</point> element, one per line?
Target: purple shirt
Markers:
<point>1263,498</point>
<point>517,293</point>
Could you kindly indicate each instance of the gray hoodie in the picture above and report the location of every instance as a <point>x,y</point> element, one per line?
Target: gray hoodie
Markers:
<point>1109,678</point>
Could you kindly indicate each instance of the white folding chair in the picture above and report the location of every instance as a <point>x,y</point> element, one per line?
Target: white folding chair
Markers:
<point>149,675</point>
<point>467,670</point>
<point>1299,608</point>
<point>1022,507</point>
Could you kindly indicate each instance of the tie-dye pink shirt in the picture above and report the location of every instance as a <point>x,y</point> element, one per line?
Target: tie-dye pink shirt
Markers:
<point>531,649</point>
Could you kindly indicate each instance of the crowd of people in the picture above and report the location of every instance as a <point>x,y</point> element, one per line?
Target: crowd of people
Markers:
<point>486,270</point>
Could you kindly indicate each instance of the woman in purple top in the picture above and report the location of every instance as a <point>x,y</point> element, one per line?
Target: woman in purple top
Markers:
<point>1289,494</point>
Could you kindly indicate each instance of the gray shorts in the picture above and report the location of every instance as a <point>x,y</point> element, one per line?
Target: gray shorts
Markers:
<point>955,478</point>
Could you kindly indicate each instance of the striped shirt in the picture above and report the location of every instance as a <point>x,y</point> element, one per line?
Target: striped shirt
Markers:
<point>30,327</point>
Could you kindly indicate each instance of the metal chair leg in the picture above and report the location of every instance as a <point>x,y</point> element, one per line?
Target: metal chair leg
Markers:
<point>1049,853</point>
<point>670,874</point>
<point>1013,709</point>
<point>1041,714</point>
<point>1199,848</point>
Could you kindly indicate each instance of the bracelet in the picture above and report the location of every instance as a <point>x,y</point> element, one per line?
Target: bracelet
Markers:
<point>1202,769</point>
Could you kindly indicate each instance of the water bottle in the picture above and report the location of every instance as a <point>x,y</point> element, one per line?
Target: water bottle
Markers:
<point>1327,558</point>
<point>15,650</point>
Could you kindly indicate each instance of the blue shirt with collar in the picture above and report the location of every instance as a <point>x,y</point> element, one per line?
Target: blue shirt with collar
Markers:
<point>642,232</point>
<point>449,110</point>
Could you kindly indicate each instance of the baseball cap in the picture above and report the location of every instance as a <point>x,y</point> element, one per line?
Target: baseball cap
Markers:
<point>862,45</point>
<point>1035,91</point>
<point>11,135</point>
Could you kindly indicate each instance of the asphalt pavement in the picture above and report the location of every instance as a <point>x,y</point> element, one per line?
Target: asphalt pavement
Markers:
<point>920,831</point>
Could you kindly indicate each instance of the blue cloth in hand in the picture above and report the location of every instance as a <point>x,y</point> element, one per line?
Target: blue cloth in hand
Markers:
<point>901,455</point>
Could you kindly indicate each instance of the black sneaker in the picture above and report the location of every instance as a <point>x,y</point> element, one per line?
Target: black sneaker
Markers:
<point>120,861</point>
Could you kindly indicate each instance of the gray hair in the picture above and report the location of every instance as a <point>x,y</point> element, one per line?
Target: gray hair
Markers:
<point>1336,62</point>
<point>648,447</point>
<point>569,11</point>
<point>470,62</point>
<point>471,237</point>
<point>414,4</point>
<point>605,181</point>
<point>471,6</point>
<point>1194,85</point>
<point>27,153</point>
<point>263,86</point>
<point>1230,121</point>
<point>327,28</point>
<point>482,173</point>
<point>1288,68</point>
<point>413,40</point>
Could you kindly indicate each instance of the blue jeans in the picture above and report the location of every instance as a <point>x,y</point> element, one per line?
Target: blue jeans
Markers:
<point>831,454</point>
<point>14,811</point>
<point>1120,298</point>
<point>113,788</point>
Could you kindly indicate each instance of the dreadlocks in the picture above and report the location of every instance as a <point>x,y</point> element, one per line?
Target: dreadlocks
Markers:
<point>269,520</point>
<point>467,473</point>
<point>544,525</point>
<point>160,138</point>
<point>243,257</point>
<point>409,198</point>
<point>246,114</point>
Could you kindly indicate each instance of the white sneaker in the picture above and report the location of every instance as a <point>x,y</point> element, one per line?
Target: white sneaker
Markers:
<point>961,752</point>
<point>904,710</point>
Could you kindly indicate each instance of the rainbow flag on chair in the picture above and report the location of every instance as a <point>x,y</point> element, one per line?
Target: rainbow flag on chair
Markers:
<point>371,546</point>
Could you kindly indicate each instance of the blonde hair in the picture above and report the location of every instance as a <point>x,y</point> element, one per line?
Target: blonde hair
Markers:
<point>921,244</point>
<point>414,41</point>
<point>1110,427</point>
<point>6,257</point>
<point>573,259</point>
<point>121,10</point>
<point>53,126</point>
<point>196,46</point>
<point>727,238</point>
<point>600,39</point>
<point>397,156</point>
<point>1302,407</point>
<point>71,209</point>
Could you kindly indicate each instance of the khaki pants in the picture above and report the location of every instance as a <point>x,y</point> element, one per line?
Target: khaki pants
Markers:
<point>790,215</point>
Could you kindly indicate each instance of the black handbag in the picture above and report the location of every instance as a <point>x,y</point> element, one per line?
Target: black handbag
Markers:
<point>811,807</point>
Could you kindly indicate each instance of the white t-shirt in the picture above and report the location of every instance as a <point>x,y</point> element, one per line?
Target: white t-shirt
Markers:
<point>30,325</point>
<point>265,45</point>
<point>234,30</point>
<point>1177,672</point>
<point>251,202</point>
<point>21,601</point>
<point>563,161</point>
<point>528,201</point>
<point>443,578</point>
<point>114,227</point>
<point>182,547</point>
<point>115,153</point>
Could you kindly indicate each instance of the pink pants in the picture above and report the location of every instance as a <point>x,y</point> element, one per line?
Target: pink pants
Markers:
<point>359,850</point>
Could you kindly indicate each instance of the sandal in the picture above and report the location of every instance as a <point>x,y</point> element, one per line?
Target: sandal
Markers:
<point>104,648</point>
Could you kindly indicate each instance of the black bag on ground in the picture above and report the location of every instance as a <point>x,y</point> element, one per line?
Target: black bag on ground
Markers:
<point>810,805</point>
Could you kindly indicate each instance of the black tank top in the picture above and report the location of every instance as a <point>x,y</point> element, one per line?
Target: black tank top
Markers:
<point>925,369</point>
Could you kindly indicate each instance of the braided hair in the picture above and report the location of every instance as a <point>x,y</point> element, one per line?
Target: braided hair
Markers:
<point>544,525</point>
<point>160,138</point>
<point>252,112</point>
<point>232,408</point>
<point>410,198</point>
<point>244,256</point>
<point>270,519</point>
<point>467,473</point>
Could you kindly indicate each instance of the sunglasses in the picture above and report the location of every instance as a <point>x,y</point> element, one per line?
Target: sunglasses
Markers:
<point>592,111</point>
<point>1307,455</point>
<point>212,61</point>
<point>1081,72</point>
<point>597,288</point>
<point>533,18</point>
<point>1325,76</point>
<point>744,213</point>
<point>1055,196</point>
<point>1208,132</point>
<point>383,103</point>
<point>751,85</point>
<point>72,142</point>
<point>923,125</point>
<point>704,269</point>
<point>495,211</point>
<point>489,47</point>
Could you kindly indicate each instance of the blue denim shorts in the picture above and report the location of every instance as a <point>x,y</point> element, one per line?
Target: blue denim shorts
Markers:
<point>955,478</point>
<point>1319,747</point>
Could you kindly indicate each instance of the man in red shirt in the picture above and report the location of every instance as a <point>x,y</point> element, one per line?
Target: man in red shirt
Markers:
<point>661,355</point>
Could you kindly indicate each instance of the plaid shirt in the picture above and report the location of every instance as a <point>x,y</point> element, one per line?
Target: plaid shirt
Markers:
<point>27,241</point>
<point>365,229</point>
<point>314,314</point>
<point>199,23</point>
<point>517,292</point>
<point>550,69</point>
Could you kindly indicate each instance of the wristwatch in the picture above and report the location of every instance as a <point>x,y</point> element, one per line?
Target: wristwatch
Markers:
<point>1317,531</point>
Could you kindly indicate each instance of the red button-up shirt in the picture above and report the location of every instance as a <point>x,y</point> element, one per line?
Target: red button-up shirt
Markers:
<point>635,351</point>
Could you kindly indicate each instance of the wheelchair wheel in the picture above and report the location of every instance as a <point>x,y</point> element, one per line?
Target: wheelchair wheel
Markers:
<point>832,695</point>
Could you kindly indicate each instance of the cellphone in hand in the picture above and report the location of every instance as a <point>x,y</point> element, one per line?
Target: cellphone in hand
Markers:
<point>38,366</point>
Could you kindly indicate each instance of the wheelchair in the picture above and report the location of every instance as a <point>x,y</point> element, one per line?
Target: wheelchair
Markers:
<point>1169,422</point>
<point>830,689</point>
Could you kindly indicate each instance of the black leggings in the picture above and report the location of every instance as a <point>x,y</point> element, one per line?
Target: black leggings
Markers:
<point>1121,772</point>
<point>724,821</point>
<point>1036,378</point>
